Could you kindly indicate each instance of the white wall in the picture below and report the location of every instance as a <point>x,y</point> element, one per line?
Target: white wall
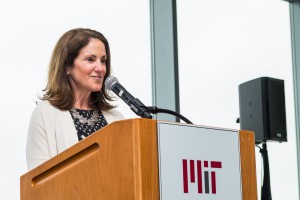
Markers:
<point>29,31</point>
<point>223,44</point>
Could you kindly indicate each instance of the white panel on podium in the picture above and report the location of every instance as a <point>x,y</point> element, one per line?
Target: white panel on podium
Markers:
<point>198,162</point>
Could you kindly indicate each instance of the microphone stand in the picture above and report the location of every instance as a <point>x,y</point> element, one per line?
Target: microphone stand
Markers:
<point>155,110</point>
<point>266,187</point>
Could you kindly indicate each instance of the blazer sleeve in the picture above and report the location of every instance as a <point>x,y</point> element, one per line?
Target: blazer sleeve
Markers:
<point>37,147</point>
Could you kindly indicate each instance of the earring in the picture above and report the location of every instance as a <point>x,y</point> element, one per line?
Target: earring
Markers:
<point>68,73</point>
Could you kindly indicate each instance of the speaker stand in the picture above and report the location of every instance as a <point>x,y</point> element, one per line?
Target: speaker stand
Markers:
<point>266,187</point>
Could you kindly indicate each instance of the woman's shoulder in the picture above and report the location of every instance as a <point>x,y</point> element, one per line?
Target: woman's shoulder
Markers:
<point>44,106</point>
<point>45,109</point>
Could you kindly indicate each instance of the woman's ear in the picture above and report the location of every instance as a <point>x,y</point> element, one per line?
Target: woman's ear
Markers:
<point>68,70</point>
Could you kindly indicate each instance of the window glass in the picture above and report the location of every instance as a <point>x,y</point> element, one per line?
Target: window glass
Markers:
<point>222,44</point>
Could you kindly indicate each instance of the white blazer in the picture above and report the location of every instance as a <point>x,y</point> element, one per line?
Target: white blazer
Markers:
<point>52,131</point>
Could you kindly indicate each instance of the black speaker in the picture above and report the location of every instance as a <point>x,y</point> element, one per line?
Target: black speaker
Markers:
<point>262,109</point>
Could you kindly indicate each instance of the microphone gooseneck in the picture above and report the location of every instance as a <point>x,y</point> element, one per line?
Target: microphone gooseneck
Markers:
<point>112,83</point>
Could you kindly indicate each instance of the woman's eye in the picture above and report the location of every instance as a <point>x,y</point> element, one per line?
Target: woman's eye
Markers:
<point>103,61</point>
<point>90,59</point>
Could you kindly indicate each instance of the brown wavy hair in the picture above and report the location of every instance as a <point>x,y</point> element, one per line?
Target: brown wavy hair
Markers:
<point>58,90</point>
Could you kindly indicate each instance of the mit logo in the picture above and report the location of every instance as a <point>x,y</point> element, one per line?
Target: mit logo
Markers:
<point>202,175</point>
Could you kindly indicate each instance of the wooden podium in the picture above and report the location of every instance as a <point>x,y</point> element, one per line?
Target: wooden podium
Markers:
<point>120,161</point>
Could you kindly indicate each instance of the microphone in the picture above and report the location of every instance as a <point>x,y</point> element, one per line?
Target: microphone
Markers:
<point>112,83</point>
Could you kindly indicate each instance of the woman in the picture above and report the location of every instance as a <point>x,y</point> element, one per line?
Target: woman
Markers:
<point>74,103</point>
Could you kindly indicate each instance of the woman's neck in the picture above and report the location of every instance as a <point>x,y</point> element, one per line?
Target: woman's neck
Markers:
<point>83,102</point>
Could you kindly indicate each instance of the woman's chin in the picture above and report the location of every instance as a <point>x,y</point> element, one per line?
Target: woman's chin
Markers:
<point>96,88</point>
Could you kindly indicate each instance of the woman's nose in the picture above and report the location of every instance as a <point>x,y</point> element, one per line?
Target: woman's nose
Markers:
<point>100,66</point>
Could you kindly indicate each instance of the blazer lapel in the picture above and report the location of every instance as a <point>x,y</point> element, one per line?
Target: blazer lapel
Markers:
<point>66,133</point>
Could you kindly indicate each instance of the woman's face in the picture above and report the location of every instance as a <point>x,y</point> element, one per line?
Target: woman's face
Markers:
<point>89,68</point>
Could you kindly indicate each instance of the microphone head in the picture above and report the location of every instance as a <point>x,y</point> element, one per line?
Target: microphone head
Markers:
<point>110,81</point>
